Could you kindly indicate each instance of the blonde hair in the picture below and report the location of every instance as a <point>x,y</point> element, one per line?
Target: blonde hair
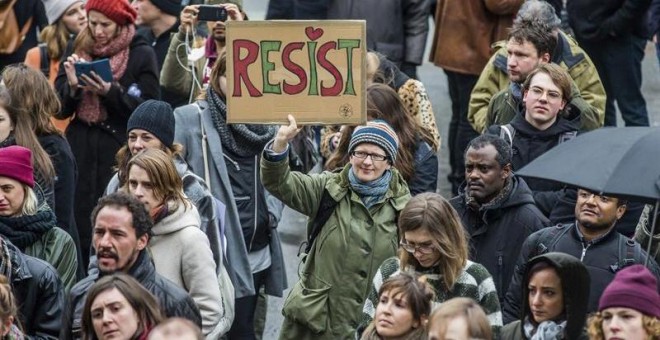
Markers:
<point>8,307</point>
<point>30,202</point>
<point>435,214</point>
<point>651,325</point>
<point>461,307</point>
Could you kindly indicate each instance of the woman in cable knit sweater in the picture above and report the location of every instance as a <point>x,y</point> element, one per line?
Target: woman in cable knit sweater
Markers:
<point>434,244</point>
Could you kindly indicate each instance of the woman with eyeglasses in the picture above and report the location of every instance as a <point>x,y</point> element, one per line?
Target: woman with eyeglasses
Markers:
<point>434,244</point>
<point>358,232</point>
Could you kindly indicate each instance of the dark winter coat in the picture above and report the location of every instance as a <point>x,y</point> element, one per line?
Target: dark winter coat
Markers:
<point>66,172</point>
<point>174,301</point>
<point>39,295</point>
<point>599,20</point>
<point>575,288</point>
<point>395,28</point>
<point>94,145</point>
<point>600,256</point>
<point>425,178</point>
<point>497,232</point>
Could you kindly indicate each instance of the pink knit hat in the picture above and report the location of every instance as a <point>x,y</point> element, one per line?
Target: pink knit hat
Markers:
<point>16,163</point>
<point>119,11</point>
<point>633,287</point>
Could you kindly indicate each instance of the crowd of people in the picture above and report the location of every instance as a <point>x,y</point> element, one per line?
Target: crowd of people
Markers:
<point>131,209</point>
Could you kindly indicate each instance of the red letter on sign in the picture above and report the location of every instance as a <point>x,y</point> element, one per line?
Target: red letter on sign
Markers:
<point>241,67</point>
<point>323,61</point>
<point>293,68</point>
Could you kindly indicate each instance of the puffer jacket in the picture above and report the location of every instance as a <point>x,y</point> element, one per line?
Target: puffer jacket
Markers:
<point>39,295</point>
<point>182,254</point>
<point>395,28</point>
<point>335,277</point>
<point>497,231</point>
<point>464,31</point>
<point>575,288</point>
<point>600,256</point>
<point>599,20</point>
<point>588,92</point>
<point>174,301</point>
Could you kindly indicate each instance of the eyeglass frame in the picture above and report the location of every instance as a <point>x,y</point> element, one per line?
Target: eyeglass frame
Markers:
<point>423,249</point>
<point>355,153</point>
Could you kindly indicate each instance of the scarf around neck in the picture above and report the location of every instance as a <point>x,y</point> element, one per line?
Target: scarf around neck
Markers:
<point>242,139</point>
<point>90,109</point>
<point>370,192</point>
<point>23,231</point>
<point>546,330</point>
<point>472,203</point>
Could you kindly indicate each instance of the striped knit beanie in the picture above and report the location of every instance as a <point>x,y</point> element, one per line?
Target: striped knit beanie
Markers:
<point>376,132</point>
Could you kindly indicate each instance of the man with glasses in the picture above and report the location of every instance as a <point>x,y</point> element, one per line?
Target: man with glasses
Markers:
<point>496,207</point>
<point>592,238</point>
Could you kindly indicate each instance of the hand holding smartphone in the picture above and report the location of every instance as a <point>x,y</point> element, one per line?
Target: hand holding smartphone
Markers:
<point>211,13</point>
<point>101,67</point>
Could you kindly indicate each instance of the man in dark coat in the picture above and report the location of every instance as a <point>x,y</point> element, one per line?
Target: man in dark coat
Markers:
<point>614,33</point>
<point>496,207</point>
<point>37,290</point>
<point>592,239</point>
<point>122,228</point>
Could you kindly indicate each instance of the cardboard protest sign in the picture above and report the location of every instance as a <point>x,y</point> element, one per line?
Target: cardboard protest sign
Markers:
<point>314,70</point>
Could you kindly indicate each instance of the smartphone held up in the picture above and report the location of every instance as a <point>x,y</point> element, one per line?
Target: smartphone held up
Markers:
<point>211,13</point>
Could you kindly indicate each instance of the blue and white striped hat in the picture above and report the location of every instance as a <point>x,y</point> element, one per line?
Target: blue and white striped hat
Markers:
<point>376,132</point>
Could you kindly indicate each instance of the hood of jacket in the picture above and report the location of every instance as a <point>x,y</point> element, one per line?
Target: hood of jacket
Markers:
<point>575,284</point>
<point>520,194</point>
<point>181,216</point>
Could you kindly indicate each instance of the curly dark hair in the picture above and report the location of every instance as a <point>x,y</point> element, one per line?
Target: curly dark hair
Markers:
<point>142,222</point>
<point>504,152</point>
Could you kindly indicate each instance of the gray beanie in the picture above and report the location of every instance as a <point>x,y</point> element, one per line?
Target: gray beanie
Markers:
<point>55,8</point>
<point>156,117</point>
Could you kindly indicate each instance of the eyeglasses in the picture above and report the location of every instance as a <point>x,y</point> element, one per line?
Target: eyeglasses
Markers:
<point>423,249</point>
<point>374,156</point>
<point>550,94</point>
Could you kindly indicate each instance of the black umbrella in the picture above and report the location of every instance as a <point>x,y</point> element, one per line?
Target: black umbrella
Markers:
<point>622,162</point>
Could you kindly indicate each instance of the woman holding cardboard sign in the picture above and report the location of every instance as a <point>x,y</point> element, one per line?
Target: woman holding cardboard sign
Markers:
<point>102,107</point>
<point>353,213</point>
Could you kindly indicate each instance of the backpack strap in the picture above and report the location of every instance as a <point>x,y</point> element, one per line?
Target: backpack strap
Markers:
<point>44,63</point>
<point>629,253</point>
<point>507,132</point>
<point>566,136</point>
<point>326,208</point>
<point>549,238</point>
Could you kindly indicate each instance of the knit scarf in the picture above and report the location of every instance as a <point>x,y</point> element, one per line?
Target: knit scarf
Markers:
<point>6,260</point>
<point>370,192</point>
<point>90,109</point>
<point>23,231</point>
<point>546,330</point>
<point>241,139</point>
<point>14,333</point>
<point>9,141</point>
<point>472,203</point>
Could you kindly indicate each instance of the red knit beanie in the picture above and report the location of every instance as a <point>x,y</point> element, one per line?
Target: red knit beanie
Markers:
<point>119,11</point>
<point>633,287</point>
<point>16,163</point>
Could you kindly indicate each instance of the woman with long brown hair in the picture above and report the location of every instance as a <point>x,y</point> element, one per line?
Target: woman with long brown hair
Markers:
<point>417,161</point>
<point>39,102</point>
<point>101,107</point>
<point>434,244</point>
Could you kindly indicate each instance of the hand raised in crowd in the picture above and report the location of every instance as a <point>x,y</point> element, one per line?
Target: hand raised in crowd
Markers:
<point>233,13</point>
<point>188,19</point>
<point>285,134</point>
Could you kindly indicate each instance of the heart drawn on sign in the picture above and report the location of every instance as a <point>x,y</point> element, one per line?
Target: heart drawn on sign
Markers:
<point>313,33</point>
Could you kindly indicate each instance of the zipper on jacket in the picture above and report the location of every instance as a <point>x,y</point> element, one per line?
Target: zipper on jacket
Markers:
<point>256,203</point>
<point>584,250</point>
<point>238,168</point>
<point>500,269</point>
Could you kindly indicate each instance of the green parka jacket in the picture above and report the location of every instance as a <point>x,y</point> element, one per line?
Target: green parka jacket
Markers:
<point>335,277</point>
<point>567,54</point>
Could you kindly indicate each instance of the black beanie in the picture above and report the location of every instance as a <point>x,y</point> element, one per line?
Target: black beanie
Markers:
<point>157,118</point>
<point>171,7</point>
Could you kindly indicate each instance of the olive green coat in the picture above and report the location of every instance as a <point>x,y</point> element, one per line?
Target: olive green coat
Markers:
<point>57,248</point>
<point>335,277</point>
<point>587,84</point>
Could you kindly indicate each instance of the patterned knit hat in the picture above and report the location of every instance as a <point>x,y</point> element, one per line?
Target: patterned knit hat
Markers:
<point>376,132</point>
<point>16,163</point>
<point>157,118</point>
<point>171,7</point>
<point>633,287</point>
<point>56,8</point>
<point>119,11</point>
